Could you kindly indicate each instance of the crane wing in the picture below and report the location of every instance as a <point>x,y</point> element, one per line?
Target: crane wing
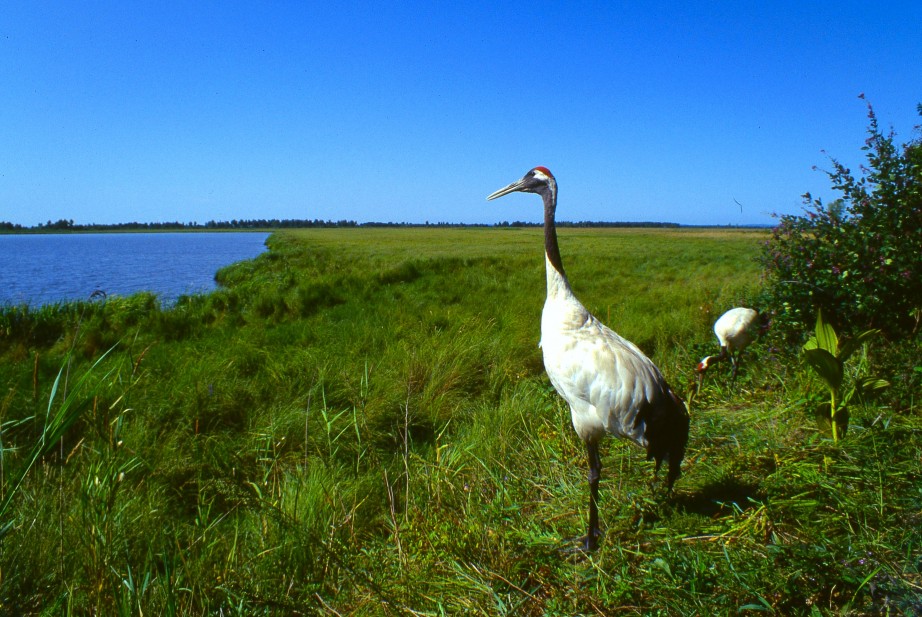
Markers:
<point>605,378</point>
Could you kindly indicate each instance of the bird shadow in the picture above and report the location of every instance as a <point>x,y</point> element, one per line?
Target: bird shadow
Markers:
<point>718,498</point>
<point>721,497</point>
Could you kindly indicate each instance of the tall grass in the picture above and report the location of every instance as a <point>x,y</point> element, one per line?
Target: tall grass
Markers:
<point>358,423</point>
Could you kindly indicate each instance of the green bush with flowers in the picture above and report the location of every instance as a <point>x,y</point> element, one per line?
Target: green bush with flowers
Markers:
<point>859,257</point>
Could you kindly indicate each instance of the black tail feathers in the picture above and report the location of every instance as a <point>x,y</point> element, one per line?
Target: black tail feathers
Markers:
<point>667,433</point>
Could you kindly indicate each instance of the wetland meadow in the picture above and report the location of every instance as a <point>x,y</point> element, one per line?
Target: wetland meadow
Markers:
<point>358,422</point>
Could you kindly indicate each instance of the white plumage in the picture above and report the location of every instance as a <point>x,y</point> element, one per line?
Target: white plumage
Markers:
<point>735,329</point>
<point>609,384</point>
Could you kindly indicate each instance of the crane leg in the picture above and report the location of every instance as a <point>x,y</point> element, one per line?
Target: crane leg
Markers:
<point>590,541</point>
<point>595,472</point>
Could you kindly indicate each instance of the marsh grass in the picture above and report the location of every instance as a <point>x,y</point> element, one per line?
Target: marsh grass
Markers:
<point>358,423</point>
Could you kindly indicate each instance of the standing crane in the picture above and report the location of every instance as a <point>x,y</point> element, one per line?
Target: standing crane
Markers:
<point>735,329</point>
<point>609,384</point>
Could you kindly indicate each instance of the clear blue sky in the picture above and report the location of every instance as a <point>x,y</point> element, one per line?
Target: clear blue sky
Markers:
<point>408,112</point>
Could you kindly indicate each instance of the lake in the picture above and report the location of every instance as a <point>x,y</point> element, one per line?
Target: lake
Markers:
<point>38,269</point>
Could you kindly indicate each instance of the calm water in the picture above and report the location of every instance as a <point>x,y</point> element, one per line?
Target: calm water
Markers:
<point>38,269</point>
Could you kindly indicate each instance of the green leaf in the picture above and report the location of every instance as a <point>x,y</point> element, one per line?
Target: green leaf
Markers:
<point>827,366</point>
<point>868,385</point>
<point>826,335</point>
<point>850,345</point>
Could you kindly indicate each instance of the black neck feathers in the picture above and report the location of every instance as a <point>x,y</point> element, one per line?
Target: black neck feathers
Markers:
<point>550,230</point>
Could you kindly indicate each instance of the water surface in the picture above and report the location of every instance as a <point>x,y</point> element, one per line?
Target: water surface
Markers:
<point>38,269</point>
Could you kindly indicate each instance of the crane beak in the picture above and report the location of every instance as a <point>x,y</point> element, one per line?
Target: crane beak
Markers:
<point>512,188</point>
<point>699,372</point>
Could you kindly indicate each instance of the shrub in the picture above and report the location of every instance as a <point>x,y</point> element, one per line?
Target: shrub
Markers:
<point>858,258</point>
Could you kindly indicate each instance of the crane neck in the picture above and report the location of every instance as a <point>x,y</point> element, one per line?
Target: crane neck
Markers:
<point>556,277</point>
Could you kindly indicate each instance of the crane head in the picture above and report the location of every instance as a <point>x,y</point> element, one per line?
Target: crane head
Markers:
<point>538,180</point>
<point>706,363</point>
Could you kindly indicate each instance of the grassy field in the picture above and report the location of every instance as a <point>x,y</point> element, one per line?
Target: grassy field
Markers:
<point>359,423</point>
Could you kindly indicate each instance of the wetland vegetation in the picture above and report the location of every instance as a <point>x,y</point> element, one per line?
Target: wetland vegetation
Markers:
<point>358,423</point>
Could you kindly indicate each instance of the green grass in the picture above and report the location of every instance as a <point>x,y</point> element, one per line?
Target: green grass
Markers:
<point>359,423</point>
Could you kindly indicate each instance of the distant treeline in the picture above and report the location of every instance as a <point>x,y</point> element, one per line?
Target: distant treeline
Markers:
<point>69,225</point>
<point>589,224</point>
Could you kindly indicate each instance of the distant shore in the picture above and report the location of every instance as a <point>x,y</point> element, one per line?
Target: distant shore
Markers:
<point>66,226</point>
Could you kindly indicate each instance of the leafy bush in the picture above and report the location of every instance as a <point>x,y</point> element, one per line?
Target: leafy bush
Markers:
<point>858,258</point>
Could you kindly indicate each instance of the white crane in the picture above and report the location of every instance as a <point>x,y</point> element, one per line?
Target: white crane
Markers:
<point>610,385</point>
<point>735,329</point>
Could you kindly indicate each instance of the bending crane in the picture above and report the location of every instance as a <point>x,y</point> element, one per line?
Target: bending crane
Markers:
<point>735,329</point>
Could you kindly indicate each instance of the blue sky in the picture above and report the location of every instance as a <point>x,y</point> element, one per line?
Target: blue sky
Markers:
<point>414,112</point>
